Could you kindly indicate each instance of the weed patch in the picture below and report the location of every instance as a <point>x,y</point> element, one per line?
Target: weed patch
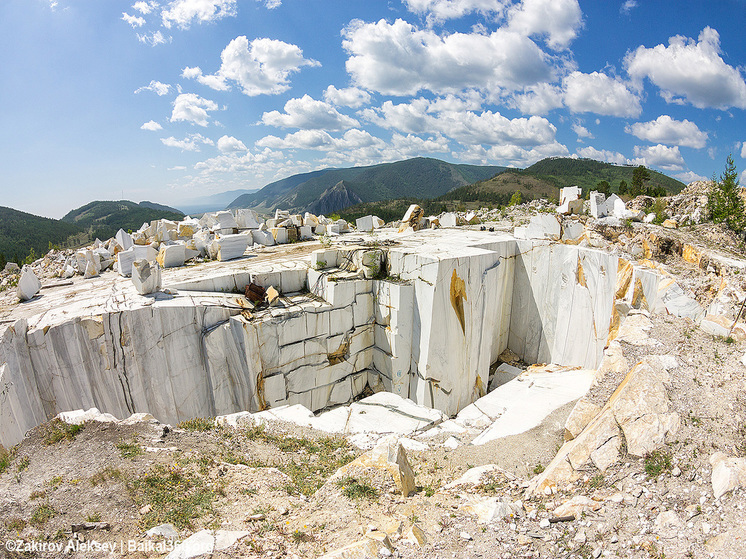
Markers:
<point>200,424</point>
<point>356,489</point>
<point>57,430</point>
<point>42,514</point>
<point>657,462</point>
<point>129,449</point>
<point>174,496</point>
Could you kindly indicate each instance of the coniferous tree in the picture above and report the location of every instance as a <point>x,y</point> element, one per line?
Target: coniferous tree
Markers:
<point>724,202</point>
<point>639,177</point>
<point>622,187</point>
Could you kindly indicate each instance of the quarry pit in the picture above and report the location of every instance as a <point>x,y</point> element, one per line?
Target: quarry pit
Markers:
<point>422,316</point>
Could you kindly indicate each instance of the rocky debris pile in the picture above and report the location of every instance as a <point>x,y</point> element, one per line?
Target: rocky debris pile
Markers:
<point>223,235</point>
<point>690,205</point>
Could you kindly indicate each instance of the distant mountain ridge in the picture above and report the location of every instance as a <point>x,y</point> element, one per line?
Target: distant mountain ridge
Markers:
<point>104,218</point>
<point>420,177</point>
<point>541,180</point>
<point>20,232</point>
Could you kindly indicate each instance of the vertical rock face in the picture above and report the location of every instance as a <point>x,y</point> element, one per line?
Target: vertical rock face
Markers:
<point>429,332</point>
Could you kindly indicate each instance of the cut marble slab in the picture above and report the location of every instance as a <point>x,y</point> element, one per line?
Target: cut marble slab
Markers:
<point>381,413</point>
<point>521,404</point>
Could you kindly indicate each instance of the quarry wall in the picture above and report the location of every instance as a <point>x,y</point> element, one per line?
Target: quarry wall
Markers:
<point>429,331</point>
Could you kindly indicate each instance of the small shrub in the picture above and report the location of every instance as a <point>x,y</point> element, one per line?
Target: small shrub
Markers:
<point>355,489</point>
<point>299,537</point>
<point>538,469</point>
<point>42,514</point>
<point>55,481</point>
<point>657,462</point>
<point>15,524</point>
<point>129,449</point>
<point>5,459</point>
<point>57,430</point>
<point>107,473</point>
<point>198,424</point>
<point>596,481</point>
<point>94,517</point>
<point>174,496</point>
<point>23,463</point>
<point>37,495</point>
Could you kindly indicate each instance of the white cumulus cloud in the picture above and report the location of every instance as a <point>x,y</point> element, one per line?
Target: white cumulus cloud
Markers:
<point>190,143</point>
<point>692,72</point>
<point>614,157</point>
<point>260,67</point>
<point>468,127</point>
<point>190,107</point>
<point>666,130</point>
<point>229,144</point>
<point>183,13</point>
<point>511,155</point>
<point>743,150</point>
<point>134,21</point>
<point>352,97</point>
<point>537,99</point>
<point>689,176</point>
<point>600,94</point>
<point>557,20</point>
<point>665,157</point>
<point>441,10</point>
<point>581,130</point>
<point>399,59</point>
<point>156,87</point>
<point>145,7</point>
<point>151,125</point>
<point>310,114</point>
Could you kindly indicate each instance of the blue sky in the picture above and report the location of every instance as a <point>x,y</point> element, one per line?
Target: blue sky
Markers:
<point>168,100</point>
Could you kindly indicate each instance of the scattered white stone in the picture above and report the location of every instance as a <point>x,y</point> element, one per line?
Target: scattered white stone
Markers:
<point>28,284</point>
<point>206,541</point>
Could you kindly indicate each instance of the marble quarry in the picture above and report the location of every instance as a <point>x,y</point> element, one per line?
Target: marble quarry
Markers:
<point>422,315</point>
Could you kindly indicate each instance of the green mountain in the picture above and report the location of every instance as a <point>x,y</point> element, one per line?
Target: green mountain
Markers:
<point>587,173</point>
<point>20,232</point>
<point>103,219</point>
<point>541,180</point>
<point>335,189</point>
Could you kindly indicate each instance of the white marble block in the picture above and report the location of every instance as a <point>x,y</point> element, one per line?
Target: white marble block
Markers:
<point>615,206</point>
<point>125,259</point>
<point>543,226</point>
<point>232,246</point>
<point>146,277</point>
<point>368,223</point>
<point>262,237</point>
<point>598,204</point>
<point>570,193</point>
<point>171,256</point>
<point>225,220</point>
<point>448,219</point>
<point>280,234</point>
<point>28,284</point>
<point>305,233</point>
<point>247,219</point>
<point>124,239</point>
